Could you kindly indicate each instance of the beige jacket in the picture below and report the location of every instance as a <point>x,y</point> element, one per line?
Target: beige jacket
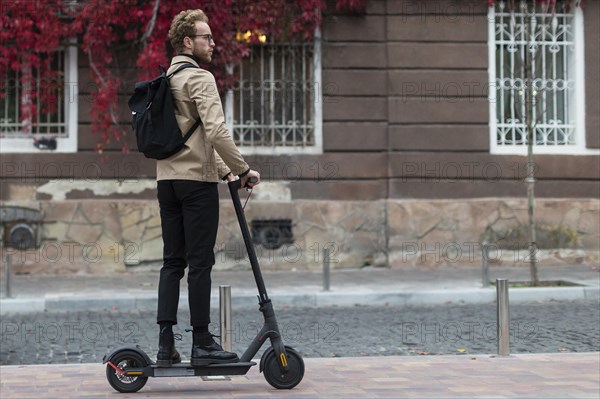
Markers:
<point>210,153</point>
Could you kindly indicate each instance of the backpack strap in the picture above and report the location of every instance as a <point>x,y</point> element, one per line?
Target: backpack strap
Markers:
<point>192,129</point>
<point>199,120</point>
<point>184,66</point>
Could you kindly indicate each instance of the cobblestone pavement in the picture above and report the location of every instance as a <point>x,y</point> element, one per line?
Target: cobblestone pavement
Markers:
<point>84,337</point>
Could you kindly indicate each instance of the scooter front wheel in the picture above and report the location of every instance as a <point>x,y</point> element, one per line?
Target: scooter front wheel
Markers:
<point>274,375</point>
<point>123,361</point>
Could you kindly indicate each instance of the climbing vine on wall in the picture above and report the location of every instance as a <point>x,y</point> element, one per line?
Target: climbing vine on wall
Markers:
<point>33,30</point>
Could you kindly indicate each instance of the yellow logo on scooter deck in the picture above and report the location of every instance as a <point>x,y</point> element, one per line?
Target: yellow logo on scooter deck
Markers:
<point>283,359</point>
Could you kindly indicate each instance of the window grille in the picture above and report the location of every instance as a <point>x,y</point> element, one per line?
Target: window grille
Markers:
<point>272,106</point>
<point>550,40</point>
<point>49,119</point>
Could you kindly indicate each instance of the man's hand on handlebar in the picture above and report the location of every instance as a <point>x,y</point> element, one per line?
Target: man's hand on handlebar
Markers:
<point>251,179</point>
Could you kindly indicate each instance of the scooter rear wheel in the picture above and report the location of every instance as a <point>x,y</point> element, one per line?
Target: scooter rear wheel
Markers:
<point>273,373</point>
<point>124,360</point>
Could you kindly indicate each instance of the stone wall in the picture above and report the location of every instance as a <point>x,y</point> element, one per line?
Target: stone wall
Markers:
<point>107,236</point>
<point>448,232</point>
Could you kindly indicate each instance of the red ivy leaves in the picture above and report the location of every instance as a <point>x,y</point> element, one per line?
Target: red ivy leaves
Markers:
<point>26,40</point>
<point>352,5</point>
<point>32,30</point>
<point>23,28</point>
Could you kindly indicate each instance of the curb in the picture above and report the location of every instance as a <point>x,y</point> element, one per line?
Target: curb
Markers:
<point>319,299</point>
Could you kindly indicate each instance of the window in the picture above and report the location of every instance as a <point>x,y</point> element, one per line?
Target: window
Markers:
<point>554,43</point>
<point>275,107</point>
<point>52,127</point>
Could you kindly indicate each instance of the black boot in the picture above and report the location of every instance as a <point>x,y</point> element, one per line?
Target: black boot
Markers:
<point>206,351</point>
<point>167,354</point>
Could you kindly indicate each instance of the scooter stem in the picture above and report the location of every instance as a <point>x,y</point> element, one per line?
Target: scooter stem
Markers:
<point>234,187</point>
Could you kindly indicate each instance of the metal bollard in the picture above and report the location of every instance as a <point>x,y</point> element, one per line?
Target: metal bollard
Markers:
<point>485,267</point>
<point>225,316</point>
<point>8,276</point>
<point>326,269</point>
<point>502,317</point>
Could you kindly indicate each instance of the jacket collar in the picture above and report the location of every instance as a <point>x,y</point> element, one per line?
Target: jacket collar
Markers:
<point>185,58</point>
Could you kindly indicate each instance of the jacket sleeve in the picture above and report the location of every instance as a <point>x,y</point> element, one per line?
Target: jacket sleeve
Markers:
<point>203,91</point>
<point>222,169</point>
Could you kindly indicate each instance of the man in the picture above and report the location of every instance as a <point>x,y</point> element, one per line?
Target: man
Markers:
<point>187,192</point>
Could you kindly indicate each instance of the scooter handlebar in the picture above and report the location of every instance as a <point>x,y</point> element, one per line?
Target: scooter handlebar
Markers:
<point>237,184</point>
<point>252,180</point>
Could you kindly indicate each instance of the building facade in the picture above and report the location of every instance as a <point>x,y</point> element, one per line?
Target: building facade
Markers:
<point>396,139</point>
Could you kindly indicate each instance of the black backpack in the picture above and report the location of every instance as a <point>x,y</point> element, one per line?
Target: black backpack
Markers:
<point>153,112</point>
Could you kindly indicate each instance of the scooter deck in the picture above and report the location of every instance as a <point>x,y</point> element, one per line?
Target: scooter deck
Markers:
<point>185,369</point>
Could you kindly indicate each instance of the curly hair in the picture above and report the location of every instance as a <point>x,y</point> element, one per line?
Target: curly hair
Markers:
<point>184,25</point>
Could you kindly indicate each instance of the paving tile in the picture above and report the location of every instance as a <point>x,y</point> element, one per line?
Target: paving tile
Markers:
<point>521,376</point>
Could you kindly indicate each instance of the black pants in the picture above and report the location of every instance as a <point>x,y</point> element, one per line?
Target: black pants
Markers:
<point>189,213</point>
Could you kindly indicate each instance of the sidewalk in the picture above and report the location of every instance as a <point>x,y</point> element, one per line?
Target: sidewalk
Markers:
<point>561,375</point>
<point>408,286</point>
<point>567,375</point>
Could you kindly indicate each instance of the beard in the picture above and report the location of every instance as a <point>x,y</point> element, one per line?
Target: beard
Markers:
<point>203,56</point>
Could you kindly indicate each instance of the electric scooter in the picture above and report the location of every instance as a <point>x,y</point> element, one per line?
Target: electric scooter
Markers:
<point>129,367</point>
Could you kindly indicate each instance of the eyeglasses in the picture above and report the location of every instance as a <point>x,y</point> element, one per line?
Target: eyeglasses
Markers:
<point>207,36</point>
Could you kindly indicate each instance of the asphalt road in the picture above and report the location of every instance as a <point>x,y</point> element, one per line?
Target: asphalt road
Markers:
<point>84,337</point>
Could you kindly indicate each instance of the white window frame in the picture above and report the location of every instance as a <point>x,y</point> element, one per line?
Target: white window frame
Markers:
<point>578,66</point>
<point>317,113</point>
<point>67,144</point>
